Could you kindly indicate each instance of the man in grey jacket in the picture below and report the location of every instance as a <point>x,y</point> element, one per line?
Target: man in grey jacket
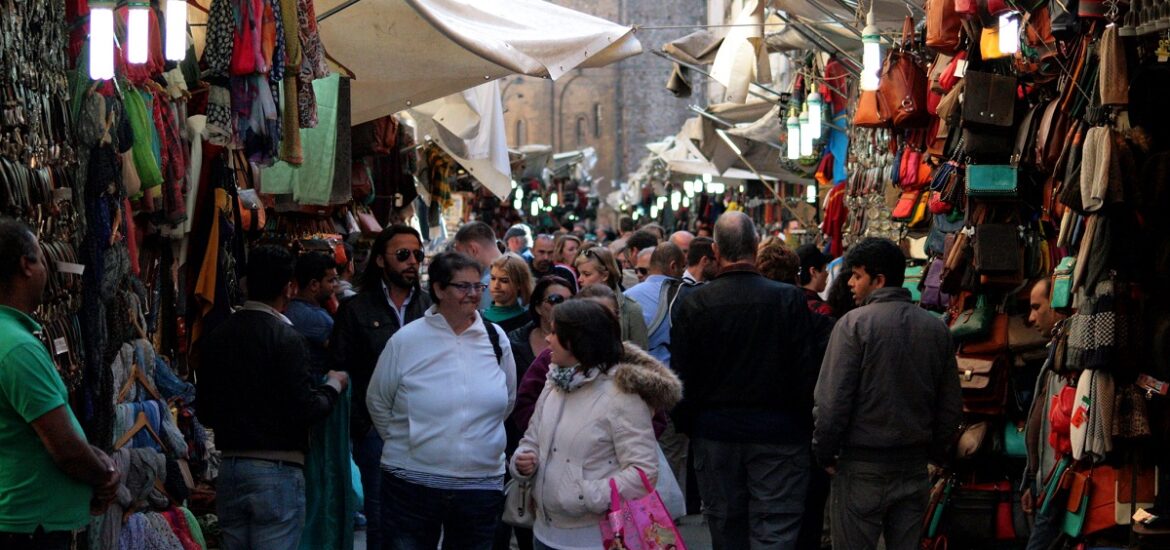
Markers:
<point>887,403</point>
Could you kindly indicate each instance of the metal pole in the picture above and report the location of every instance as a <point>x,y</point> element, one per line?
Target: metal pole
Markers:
<point>822,42</point>
<point>336,9</point>
<point>708,75</point>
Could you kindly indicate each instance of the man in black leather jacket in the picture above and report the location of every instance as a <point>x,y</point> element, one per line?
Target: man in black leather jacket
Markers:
<point>389,297</point>
<point>741,344</point>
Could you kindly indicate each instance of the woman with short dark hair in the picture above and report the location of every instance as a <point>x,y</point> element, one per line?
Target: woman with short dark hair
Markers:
<point>439,397</point>
<point>591,425</point>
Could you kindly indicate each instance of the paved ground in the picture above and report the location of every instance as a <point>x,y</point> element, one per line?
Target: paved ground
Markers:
<point>693,530</point>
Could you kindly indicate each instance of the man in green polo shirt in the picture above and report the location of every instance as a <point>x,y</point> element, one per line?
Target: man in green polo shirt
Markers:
<point>50,478</point>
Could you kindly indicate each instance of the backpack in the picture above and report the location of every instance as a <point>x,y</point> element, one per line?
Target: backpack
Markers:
<point>494,337</point>
<point>667,293</point>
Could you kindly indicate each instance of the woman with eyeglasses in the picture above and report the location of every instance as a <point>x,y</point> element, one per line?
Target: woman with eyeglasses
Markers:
<point>597,266</point>
<point>439,396</point>
<point>591,424</point>
<point>511,283</point>
<point>529,340</point>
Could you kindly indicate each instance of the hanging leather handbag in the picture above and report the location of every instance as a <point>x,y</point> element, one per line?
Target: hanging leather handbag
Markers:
<point>904,83</point>
<point>904,211</point>
<point>989,99</point>
<point>989,44</point>
<point>1062,283</point>
<point>966,8</point>
<point>988,144</point>
<point>973,323</point>
<point>943,26</point>
<point>992,181</point>
<point>913,282</point>
<point>997,7</point>
<point>983,381</point>
<point>998,248</point>
<point>871,112</point>
<point>994,343</point>
<point>933,297</point>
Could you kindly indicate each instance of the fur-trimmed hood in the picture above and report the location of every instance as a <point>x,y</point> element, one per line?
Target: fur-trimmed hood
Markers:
<point>642,375</point>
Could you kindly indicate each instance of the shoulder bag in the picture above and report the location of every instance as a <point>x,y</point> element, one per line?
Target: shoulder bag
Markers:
<point>904,83</point>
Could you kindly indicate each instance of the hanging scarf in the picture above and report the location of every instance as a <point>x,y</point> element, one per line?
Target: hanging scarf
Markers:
<point>568,379</point>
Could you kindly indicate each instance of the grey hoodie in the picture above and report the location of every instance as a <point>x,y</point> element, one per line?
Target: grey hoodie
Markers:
<point>888,389</point>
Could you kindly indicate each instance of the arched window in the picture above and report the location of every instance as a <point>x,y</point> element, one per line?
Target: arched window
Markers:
<point>597,120</point>
<point>582,129</point>
<point>521,132</point>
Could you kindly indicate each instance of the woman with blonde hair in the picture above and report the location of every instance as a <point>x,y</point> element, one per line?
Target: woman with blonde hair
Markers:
<point>510,287</point>
<point>597,266</point>
<point>565,250</point>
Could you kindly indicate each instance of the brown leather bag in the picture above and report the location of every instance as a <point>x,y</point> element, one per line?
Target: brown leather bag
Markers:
<point>904,84</point>
<point>943,26</point>
<point>871,112</point>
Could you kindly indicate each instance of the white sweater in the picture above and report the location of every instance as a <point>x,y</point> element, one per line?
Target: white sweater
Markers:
<point>439,400</point>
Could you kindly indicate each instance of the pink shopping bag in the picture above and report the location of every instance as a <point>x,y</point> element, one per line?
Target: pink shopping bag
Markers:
<point>639,524</point>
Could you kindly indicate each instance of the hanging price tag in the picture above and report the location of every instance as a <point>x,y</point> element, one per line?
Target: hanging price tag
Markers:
<point>60,346</point>
<point>960,68</point>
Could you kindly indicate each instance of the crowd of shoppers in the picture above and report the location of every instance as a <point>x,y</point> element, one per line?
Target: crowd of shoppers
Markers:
<point>565,365</point>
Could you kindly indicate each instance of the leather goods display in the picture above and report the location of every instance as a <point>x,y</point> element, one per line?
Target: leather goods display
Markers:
<point>932,295</point>
<point>1091,505</point>
<point>904,210</point>
<point>1013,440</point>
<point>992,181</point>
<point>988,144</point>
<point>989,99</point>
<point>1062,283</point>
<point>871,111</point>
<point>943,26</point>
<point>913,282</point>
<point>904,84</point>
<point>997,248</point>
<point>984,383</point>
<point>995,342</point>
<point>974,323</point>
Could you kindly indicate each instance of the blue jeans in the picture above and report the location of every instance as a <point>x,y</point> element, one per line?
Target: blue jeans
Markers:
<point>414,516</point>
<point>261,504</point>
<point>1047,527</point>
<point>367,454</point>
<point>753,493</point>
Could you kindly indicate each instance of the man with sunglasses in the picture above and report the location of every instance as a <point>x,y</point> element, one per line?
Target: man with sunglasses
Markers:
<point>389,297</point>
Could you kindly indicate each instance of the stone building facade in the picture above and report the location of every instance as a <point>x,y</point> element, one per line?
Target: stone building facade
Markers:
<point>616,109</point>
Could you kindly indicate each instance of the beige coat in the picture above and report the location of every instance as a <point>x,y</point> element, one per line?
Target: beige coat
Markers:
<point>601,430</point>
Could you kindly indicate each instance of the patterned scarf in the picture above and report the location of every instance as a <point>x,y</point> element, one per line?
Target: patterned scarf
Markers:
<point>571,378</point>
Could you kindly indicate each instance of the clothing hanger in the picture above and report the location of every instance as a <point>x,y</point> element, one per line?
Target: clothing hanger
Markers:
<point>139,424</point>
<point>136,374</point>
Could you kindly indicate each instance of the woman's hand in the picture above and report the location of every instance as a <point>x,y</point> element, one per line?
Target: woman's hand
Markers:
<point>526,463</point>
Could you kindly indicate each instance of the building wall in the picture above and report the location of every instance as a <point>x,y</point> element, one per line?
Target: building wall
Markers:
<point>616,109</point>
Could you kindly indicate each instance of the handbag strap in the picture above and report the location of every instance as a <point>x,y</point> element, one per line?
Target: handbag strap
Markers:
<point>907,33</point>
<point>615,498</point>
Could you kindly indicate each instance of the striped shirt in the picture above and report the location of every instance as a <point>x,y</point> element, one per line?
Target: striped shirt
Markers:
<point>435,481</point>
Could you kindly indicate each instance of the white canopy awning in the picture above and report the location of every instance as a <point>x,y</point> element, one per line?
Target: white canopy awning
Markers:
<point>404,53</point>
<point>407,52</point>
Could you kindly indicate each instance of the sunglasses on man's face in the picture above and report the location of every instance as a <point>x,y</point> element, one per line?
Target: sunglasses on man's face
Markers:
<point>554,299</point>
<point>643,271</point>
<point>402,254</point>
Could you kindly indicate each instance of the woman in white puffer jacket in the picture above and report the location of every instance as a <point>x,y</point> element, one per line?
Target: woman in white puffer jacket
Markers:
<point>591,423</point>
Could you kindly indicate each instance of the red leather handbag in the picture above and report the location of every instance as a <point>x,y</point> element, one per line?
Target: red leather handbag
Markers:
<point>967,8</point>
<point>997,7</point>
<point>904,84</point>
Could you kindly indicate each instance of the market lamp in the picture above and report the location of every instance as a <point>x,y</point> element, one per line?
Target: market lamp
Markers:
<point>793,135</point>
<point>101,40</point>
<point>871,56</point>
<point>1009,33</point>
<point>138,32</point>
<point>806,137</point>
<point>176,30</point>
<point>815,110</point>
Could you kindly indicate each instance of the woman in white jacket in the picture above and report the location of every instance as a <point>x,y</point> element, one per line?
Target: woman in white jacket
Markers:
<point>591,424</point>
<point>438,397</point>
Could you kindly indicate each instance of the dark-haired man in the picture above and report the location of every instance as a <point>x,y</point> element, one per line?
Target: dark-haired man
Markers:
<point>261,400</point>
<point>741,344</point>
<point>317,282</point>
<point>887,404</point>
<point>701,265</point>
<point>388,298</point>
<point>542,263</point>
<point>48,473</point>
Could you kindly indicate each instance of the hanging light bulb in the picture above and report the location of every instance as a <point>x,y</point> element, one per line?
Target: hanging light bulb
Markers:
<point>793,136</point>
<point>689,187</point>
<point>686,202</point>
<point>806,138</point>
<point>138,32</point>
<point>176,30</point>
<point>815,107</point>
<point>675,200</point>
<point>871,56</point>
<point>1009,33</point>
<point>518,204</point>
<point>101,40</point>
<point>553,200</point>
<point>534,209</point>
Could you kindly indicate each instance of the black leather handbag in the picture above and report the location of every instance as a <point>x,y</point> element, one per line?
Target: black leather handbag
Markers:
<point>989,99</point>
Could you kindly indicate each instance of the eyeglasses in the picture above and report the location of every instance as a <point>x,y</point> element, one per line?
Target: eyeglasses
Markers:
<point>554,299</point>
<point>468,288</point>
<point>642,271</point>
<point>403,253</point>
